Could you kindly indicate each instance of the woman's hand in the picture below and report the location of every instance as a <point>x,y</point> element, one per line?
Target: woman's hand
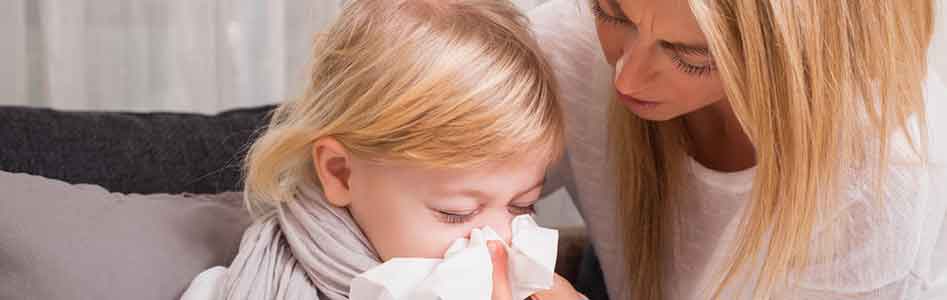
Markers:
<point>501,280</point>
<point>561,289</point>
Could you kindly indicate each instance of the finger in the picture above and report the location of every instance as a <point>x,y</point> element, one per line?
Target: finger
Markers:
<point>501,281</point>
<point>561,289</point>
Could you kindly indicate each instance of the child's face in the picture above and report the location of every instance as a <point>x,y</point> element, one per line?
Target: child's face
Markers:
<point>410,211</point>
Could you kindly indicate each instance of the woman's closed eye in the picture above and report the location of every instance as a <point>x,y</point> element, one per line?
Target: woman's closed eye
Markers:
<point>600,14</point>
<point>691,69</point>
<point>682,58</point>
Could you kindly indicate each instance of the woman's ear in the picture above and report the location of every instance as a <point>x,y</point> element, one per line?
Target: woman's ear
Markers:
<point>334,167</point>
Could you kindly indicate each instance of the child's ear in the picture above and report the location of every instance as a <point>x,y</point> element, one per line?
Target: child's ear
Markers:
<point>334,168</point>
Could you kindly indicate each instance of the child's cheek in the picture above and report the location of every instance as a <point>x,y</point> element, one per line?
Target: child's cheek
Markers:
<point>447,234</point>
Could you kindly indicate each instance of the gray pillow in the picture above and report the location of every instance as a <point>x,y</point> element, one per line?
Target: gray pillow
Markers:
<point>63,241</point>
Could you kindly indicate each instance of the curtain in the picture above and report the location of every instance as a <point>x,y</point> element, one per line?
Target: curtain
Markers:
<point>177,55</point>
<point>164,55</point>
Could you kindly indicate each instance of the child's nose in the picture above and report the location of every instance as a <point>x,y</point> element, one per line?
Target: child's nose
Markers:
<point>500,224</point>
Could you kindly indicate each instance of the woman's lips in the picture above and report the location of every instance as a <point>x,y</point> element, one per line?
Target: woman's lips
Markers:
<point>637,104</point>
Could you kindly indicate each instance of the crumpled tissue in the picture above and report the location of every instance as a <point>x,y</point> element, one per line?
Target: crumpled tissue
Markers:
<point>466,271</point>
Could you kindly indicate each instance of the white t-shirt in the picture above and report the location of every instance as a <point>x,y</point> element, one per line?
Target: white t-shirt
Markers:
<point>895,252</point>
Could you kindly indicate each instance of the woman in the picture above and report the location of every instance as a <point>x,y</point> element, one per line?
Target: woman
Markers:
<point>754,149</point>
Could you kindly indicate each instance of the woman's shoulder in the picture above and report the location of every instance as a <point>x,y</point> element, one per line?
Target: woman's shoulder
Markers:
<point>906,180</point>
<point>889,235</point>
<point>204,286</point>
<point>935,94</point>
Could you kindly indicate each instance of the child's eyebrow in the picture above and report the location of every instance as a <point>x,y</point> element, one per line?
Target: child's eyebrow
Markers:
<point>532,188</point>
<point>483,195</point>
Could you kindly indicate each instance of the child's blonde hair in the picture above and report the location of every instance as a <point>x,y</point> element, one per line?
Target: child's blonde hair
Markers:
<point>446,83</point>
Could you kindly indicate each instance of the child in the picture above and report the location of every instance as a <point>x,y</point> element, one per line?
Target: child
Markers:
<point>422,121</point>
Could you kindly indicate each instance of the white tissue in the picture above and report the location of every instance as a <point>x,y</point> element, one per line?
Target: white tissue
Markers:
<point>466,271</point>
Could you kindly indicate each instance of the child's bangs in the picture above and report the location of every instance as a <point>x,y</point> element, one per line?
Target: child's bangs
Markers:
<point>461,121</point>
<point>469,111</point>
<point>508,115</point>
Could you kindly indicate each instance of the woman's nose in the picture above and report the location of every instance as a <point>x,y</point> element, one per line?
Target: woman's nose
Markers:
<point>633,70</point>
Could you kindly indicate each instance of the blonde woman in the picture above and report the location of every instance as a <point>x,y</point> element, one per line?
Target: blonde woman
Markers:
<point>765,149</point>
<point>421,121</point>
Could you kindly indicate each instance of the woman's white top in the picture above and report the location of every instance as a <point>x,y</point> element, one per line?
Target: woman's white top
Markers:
<point>895,251</point>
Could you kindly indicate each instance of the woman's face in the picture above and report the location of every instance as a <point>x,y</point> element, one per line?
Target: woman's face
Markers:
<point>410,211</point>
<point>663,68</point>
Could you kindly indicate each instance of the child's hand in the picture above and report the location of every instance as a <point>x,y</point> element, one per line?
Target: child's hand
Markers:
<point>561,289</point>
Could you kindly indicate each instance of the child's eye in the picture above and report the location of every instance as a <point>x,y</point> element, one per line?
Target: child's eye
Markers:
<point>456,217</point>
<point>522,210</point>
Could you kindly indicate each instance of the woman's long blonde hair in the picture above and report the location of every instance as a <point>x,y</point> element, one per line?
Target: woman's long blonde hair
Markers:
<point>444,83</point>
<point>819,87</point>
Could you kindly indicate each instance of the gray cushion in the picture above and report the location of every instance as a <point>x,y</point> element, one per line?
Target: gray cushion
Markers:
<point>63,241</point>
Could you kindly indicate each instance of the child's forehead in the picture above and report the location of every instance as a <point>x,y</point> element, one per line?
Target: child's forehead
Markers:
<point>516,164</point>
<point>519,173</point>
<point>486,193</point>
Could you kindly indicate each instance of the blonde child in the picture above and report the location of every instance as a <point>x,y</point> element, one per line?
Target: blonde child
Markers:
<point>421,121</point>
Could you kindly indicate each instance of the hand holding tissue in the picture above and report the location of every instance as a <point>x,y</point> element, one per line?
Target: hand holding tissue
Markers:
<point>466,271</point>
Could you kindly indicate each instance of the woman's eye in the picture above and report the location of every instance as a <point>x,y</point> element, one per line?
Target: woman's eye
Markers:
<point>522,210</point>
<point>605,17</point>
<point>450,217</point>
<point>691,69</point>
<point>678,54</point>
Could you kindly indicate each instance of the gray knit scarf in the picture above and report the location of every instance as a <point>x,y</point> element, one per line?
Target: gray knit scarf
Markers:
<point>305,249</point>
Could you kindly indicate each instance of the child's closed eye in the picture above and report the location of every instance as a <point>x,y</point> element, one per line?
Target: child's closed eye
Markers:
<point>456,217</point>
<point>522,210</point>
<point>460,217</point>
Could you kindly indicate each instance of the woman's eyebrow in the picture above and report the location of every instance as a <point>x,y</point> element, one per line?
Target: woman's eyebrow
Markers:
<point>613,5</point>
